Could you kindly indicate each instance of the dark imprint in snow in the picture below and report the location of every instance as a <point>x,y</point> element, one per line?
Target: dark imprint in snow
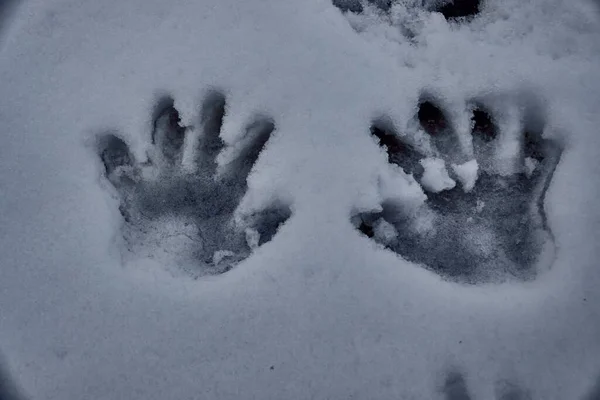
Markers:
<point>496,229</point>
<point>186,209</point>
<point>450,9</point>
<point>457,8</point>
<point>455,388</point>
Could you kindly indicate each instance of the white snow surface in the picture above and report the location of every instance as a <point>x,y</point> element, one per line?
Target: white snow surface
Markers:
<point>320,311</point>
<point>466,174</point>
<point>435,176</point>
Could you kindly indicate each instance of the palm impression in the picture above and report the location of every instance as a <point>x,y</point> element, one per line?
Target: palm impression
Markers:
<point>482,216</point>
<point>179,206</point>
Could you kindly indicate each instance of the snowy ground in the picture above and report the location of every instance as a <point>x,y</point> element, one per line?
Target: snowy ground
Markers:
<point>320,310</point>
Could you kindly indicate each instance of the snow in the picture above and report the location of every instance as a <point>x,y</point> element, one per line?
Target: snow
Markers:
<point>435,176</point>
<point>320,311</point>
<point>530,165</point>
<point>466,173</point>
<point>384,231</point>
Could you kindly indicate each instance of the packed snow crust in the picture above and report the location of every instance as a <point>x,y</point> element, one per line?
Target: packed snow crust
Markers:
<point>435,176</point>
<point>321,311</point>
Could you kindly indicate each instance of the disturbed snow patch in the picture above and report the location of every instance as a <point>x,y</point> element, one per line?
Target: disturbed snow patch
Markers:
<point>178,206</point>
<point>490,227</point>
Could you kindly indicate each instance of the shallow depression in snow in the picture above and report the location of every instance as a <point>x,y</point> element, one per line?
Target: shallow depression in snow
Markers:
<point>308,152</point>
<point>183,212</point>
